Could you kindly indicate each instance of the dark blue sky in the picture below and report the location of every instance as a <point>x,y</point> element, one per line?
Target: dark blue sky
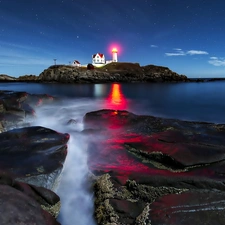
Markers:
<point>185,35</point>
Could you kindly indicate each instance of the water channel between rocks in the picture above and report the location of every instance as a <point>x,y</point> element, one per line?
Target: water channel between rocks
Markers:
<point>77,204</point>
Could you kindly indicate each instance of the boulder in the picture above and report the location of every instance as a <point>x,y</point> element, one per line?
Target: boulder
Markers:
<point>17,109</point>
<point>21,203</point>
<point>90,66</point>
<point>34,155</point>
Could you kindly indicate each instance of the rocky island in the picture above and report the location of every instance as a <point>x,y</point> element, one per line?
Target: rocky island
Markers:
<point>113,72</point>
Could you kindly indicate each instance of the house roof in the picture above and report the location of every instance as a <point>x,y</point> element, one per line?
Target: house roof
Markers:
<point>100,54</point>
<point>76,61</point>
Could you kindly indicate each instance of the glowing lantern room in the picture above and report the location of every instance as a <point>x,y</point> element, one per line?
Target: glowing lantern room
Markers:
<point>114,55</point>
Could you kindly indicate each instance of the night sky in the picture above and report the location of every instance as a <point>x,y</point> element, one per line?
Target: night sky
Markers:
<point>185,35</point>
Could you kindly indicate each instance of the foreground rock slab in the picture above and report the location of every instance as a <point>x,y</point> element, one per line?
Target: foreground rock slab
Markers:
<point>147,168</point>
<point>192,207</point>
<point>21,203</point>
<point>34,155</point>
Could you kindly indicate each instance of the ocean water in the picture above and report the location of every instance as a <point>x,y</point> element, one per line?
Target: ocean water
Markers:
<point>186,101</point>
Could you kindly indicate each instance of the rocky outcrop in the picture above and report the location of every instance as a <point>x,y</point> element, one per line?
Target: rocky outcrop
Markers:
<point>69,74</point>
<point>17,109</point>
<point>27,78</point>
<point>21,203</point>
<point>114,72</point>
<point>160,73</point>
<point>24,78</point>
<point>4,77</point>
<point>152,170</point>
<point>34,155</point>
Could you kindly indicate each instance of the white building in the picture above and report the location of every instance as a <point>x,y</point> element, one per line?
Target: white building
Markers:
<point>114,55</point>
<point>98,58</point>
<point>76,63</point>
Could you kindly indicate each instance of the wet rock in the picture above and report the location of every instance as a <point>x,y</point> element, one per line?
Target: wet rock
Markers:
<point>35,100</point>
<point>34,155</point>
<point>72,122</point>
<point>1,127</point>
<point>110,119</point>
<point>47,199</point>
<point>17,109</point>
<point>193,207</point>
<point>21,203</point>
<point>2,107</point>
<point>148,158</point>
<point>127,211</point>
<point>125,204</point>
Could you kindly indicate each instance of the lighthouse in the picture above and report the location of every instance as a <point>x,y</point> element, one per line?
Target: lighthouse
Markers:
<point>114,55</point>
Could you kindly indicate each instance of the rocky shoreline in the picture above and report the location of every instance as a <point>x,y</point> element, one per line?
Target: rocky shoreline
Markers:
<point>144,169</point>
<point>114,72</point>
<point>31,162</point>
<point>156,171</point>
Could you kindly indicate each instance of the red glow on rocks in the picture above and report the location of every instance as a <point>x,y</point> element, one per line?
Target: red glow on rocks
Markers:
<point>116,99</point>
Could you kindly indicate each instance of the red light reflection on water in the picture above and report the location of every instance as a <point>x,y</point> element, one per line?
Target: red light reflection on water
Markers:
<point>116,99</point>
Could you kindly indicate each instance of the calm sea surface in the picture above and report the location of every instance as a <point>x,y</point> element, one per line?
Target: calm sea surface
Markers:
<point>186,101</point>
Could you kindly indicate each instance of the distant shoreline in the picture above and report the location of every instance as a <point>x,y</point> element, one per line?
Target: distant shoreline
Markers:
<point>191,80</point>
<point>206,79</point>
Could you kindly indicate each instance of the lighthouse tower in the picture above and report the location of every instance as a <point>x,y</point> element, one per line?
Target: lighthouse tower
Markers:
<point>114,55</point>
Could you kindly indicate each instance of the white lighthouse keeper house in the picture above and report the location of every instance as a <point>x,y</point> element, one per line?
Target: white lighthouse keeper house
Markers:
<point>114,55</point>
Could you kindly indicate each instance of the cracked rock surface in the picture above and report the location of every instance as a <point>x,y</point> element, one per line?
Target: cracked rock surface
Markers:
<point>152,170</point>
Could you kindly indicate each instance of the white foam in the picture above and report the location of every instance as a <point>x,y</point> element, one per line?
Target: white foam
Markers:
<point>77,205</point>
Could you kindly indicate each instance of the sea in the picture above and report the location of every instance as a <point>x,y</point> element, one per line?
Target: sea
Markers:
<point>191,101</point>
